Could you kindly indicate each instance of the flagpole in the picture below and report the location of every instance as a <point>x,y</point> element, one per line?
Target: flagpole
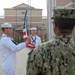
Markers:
<point>50,5</point>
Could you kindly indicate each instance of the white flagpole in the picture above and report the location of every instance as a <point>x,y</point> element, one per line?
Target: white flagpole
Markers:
<point>50,5</point>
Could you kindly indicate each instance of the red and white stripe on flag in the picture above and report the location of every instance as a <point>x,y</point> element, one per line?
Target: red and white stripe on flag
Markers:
<point>24,34</point>
<point>30,45</point>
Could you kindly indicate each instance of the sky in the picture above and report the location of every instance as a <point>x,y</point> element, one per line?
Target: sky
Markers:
<point>41,4</point>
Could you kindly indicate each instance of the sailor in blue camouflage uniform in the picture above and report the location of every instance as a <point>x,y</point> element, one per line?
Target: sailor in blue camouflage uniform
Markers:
<point>57,56</point>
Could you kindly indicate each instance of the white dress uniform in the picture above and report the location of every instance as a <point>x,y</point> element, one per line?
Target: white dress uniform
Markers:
<point>36,40</point>
<point>8,50</point>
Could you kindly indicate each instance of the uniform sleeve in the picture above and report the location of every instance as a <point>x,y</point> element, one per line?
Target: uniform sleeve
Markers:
<point>11,46</point>
<point>34,63</point>
<point>39,41</point>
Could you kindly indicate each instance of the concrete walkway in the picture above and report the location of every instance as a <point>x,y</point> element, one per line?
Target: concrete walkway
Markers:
<point>22,57</point>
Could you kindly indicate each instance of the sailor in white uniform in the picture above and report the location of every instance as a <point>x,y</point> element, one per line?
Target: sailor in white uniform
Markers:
<point>36,40</point>
<point>9,49</point>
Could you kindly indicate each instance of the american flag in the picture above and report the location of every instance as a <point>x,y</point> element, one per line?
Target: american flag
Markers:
<point>24,27</point>
<point>30,45</point>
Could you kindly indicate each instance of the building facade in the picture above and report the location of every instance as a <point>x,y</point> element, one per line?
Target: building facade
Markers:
<point>1,22</point>
<point>15,16</point>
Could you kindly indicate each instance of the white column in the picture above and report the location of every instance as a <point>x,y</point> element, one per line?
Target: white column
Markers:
<point>50,5</point>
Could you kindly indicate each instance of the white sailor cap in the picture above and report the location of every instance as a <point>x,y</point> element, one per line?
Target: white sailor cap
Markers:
<point>6,25</point>
<point>33,28</point>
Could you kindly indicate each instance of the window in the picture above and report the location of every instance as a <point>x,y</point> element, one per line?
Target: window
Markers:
<point>23,13</point>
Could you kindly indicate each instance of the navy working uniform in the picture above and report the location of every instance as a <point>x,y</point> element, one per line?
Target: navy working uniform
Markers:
<point>8,49</point>
<point>57,56</point>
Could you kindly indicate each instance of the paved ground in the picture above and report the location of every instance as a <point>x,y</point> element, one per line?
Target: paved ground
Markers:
<point>21,62</point>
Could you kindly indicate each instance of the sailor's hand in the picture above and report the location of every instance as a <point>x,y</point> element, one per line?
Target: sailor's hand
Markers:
<point>28,39</point>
